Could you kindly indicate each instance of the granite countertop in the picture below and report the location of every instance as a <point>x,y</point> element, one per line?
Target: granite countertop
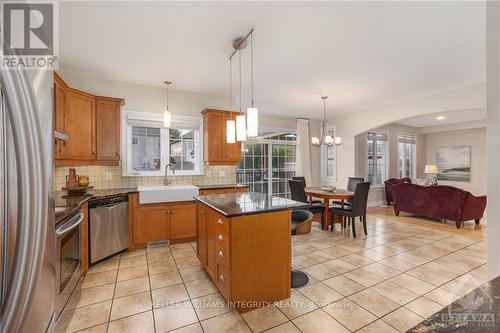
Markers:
<point>66,203</point>
<point>478,311</point>
<point>236,204</point>
<point>220,186</point>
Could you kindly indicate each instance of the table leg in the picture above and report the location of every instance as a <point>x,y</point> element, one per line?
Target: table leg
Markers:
<point>326,213</point>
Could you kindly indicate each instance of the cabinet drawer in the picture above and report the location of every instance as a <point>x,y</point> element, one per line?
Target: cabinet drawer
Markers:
<point>224,281</point>
<point>221,224</point>
<point>223,239</point>
<point>222,254</point>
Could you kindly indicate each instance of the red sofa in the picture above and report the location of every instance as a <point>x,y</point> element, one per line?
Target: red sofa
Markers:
<point>440,201</point>
<point>389,183</point>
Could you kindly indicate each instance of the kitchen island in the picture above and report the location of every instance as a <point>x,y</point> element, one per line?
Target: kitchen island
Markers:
<point>244,244</point>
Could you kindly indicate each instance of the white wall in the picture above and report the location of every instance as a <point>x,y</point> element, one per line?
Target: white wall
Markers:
<point>493,129</point>
<point>147,98</point>
<point>476,139</point>
<point>351,124</point>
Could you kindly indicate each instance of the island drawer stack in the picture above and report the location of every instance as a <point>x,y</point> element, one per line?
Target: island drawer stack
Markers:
<point>246,256</point>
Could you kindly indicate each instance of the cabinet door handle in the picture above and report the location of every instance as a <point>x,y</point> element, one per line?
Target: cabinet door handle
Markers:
<point>221,238</point>
<point>94,152</point>
<point>220,221</point>
<point>221,254</point>
<point>222,279</point>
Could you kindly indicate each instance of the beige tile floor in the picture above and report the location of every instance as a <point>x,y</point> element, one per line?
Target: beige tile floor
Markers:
<point>405,270</point>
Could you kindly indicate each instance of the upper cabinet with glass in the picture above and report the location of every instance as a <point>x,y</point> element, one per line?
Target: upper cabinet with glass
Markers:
<point>216,149</point>
<point>91,123</point>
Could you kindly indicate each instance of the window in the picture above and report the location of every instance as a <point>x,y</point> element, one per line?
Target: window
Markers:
<point>407,147</point>
<point>182,151</point>
<point>268,163</point>
<point>150,147</point>
<point>146,149</point>
<point>376,148</point>
<point>328,155</point>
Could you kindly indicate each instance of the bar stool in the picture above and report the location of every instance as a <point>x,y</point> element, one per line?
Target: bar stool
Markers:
<point>301,225</point>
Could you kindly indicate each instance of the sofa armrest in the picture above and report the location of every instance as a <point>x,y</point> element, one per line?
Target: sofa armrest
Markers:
<point>473,207</point>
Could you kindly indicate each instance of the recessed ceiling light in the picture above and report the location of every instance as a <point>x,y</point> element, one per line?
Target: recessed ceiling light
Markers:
<point>440,117</point>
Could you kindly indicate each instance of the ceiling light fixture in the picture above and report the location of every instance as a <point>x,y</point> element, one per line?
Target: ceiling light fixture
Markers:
<point>167,116</point>
<point>230,123</point>
<point>440,117</point>
<point>246,125</point>
<point>241,123</point>
<point>252,112</point>
<point>326,139</point>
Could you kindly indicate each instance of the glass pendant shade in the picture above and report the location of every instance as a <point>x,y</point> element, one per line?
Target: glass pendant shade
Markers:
<point>252,122</point>
<point>338,140</point>
<point>315,141</point>
<point>241,128</point>
<point>328,140</point>
<point>231,131</point>
<point>167,119</point>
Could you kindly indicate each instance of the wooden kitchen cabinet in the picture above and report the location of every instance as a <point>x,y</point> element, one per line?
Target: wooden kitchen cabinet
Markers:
<point>248,257</point>
<point>223,190</point>
<point>151,224</point>
<point>175,222</point>
<point>183,221</point>
<point>216,150</point>
<point>79,126</point>
<point>108,129</point>
<point>59,102</point>
<point>91,123</point>
<point>201,234</point>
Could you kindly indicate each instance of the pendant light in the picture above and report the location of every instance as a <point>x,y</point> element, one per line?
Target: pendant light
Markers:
<point>241,126</point>
<point>252,112</point>
<point>326,139</point>
<point>231,123</point>
<point>167,117</point>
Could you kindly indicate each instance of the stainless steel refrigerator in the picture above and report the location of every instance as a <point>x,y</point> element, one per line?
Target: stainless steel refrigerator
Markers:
<point>27,230</point>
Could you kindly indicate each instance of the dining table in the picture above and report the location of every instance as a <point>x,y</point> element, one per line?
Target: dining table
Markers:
<point>338,195</point>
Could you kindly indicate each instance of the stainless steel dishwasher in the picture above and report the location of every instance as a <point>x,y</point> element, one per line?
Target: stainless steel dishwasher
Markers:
<point>108,224</point>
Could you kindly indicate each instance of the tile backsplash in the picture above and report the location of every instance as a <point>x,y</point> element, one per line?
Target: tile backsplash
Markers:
<point>97,174</point>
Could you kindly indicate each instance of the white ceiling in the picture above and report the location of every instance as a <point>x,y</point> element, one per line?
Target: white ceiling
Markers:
<point>450,117</point>
<point>359,53</point>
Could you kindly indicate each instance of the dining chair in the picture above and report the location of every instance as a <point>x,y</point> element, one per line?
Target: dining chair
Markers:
<point>302,179</point>
<point>358,207</point>
<point>298,193</point>
<point>301,225</point>
<point>351,186</point>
